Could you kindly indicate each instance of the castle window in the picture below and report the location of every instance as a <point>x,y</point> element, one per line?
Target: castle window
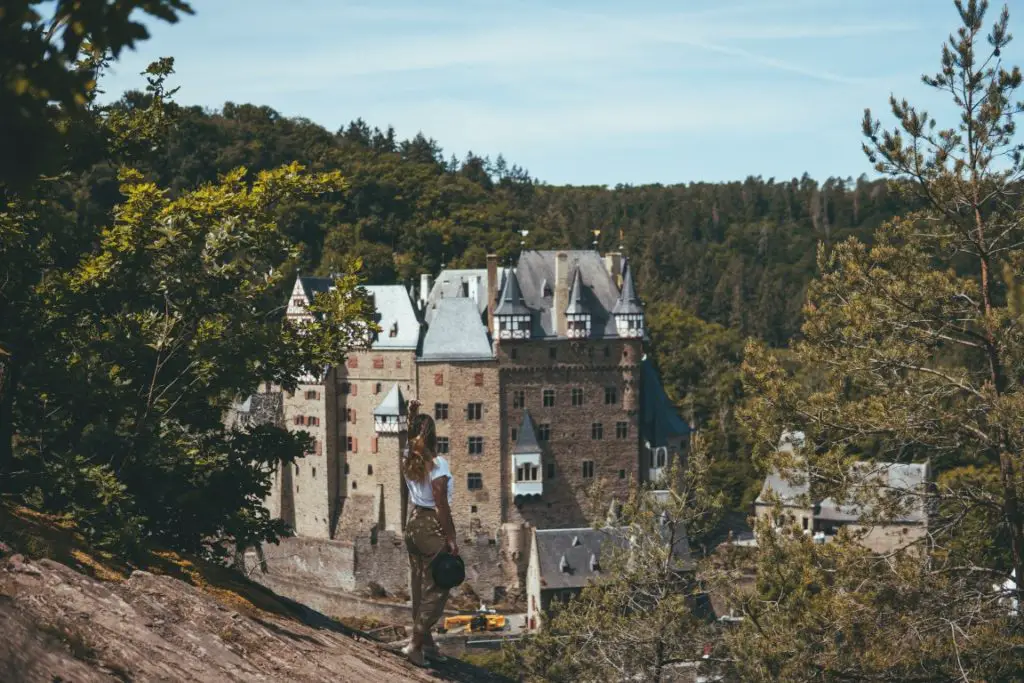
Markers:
<point>607,352</point>
<point>622,474</point>
<point>398,363</point>
<point>597,431</point>
<point>611,396</point>
<point>346,468</point>
<point>472,509</point>
<point>378,363</point>
<point>478,379</point>
<point>314,473</point>
<point>476,445</point>
<point>353,362</point>
<point>588,469</point>
<point>442,445</point>
<point>312,395</point>
<point>551,470</point>
<point>577,396</point>
<point>350,415</point>
<point>549,398</point>
<point>351,444</point>
<point>298,303</point>
<point>515,434</point>
<point>544,432</point>
<point>354,485</point>
<point>439,379</point>
<point>513,354</point>
<point>440,411</point>
<point>474,411</point>
<point>376,388</point>
<point>474,481</point>
<point>621,430</point>
<point>526,472</point>
<point>552,352</point>
<point>313,421</point>
<point>299,420</point>
<point>373,444</point>
<point>369,469</point>
<point>518,399</point>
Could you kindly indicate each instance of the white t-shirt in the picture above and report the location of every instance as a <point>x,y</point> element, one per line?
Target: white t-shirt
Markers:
<point>421,493</point>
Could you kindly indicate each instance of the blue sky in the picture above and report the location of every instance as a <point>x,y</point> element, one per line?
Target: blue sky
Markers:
<point>594,92</point>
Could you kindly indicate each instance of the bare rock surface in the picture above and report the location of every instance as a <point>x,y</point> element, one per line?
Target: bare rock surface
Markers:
<point>59,625</point>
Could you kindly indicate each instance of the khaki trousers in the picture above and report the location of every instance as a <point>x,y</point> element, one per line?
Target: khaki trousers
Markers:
<point>424,539</point>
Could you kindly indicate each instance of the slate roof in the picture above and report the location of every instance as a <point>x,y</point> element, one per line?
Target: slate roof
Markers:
<point>395,310</point>
<point>628,302</point>
<point>456,333</point>
<point>788,492</point>
<point>893,478</point>
<point>314,285</point>
<point>392,405</point>
<point>526,440</point>
<point>598,292</point>
<point>566,556</point>
<point>511,300</point>
<point>576,304</point>
<point>449,285</point>
<point>577,547</point>
<point>659,419</point>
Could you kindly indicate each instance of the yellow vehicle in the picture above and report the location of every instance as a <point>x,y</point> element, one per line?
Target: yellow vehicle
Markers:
<point>475,622</point>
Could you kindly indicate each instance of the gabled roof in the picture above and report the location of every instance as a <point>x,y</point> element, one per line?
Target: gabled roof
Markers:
<point>628,303</point>
<point>456,333</point>
<point>572,549</point>
<point>511,300</point>
<point>452,282</point>
<point>598,291</point>
<point>576,304</point>
<point>257,409</point>
<point>393,404</point>
<point>659,419</point>
<point>312,286</point>
<point>788,492</point>
<point>395,312</point>
<point>526,440</point>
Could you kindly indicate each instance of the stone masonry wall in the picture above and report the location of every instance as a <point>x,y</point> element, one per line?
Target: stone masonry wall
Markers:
<point>458,384</point>
<point>561,366</point>
<point>305,487</point>
<point>362,383</point>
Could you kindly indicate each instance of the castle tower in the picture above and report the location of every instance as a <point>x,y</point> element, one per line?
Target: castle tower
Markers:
<point>628,313</point>
<point>577,313</point>
<point>390,424</point>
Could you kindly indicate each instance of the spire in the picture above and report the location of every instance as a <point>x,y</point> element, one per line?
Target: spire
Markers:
<point>511,301</point>
<point>393,404</point>
<point>526,442</point>
<point>576,306</point>
<point>628,303</point>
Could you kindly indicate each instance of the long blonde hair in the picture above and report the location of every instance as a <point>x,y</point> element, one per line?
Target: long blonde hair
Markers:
<point>422,445</point>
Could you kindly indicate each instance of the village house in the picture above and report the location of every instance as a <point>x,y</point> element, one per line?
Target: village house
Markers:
<point>899,486</point>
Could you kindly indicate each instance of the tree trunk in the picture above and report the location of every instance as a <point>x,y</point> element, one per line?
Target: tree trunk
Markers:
<point>8,385</point>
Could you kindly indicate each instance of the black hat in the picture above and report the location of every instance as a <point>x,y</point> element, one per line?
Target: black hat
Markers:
<point>448,570</point>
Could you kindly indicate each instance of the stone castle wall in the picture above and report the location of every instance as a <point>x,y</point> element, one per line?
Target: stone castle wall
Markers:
<point>530,368</point>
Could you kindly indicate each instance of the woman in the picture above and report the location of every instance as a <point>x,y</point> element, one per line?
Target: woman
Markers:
<point>429,531</point>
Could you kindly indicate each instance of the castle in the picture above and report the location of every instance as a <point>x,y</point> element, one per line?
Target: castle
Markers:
<point>545,403</point>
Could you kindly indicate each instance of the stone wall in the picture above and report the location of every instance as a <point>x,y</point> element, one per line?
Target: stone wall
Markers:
<point>592,366</point>
<point>362,382</point>
<point>493,572</point>
<point>307,488</point>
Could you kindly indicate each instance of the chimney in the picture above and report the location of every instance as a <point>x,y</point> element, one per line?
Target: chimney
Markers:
<point>613,262</point>
<point>492,289</point>
<point>425,284</point>
<point>561,298</point>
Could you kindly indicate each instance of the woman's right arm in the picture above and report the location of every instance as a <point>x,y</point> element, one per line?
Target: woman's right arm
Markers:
<point>439,487</point>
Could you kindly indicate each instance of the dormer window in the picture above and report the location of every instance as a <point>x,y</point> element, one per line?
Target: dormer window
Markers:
<point>595,564</point>
<point>393,332</point>
<point>512,319</point>
<point>577,313</point>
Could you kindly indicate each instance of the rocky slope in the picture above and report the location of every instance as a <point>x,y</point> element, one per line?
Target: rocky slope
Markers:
<point>60,624</point>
